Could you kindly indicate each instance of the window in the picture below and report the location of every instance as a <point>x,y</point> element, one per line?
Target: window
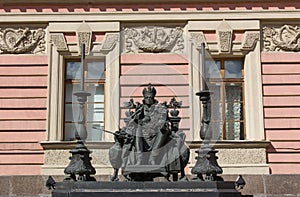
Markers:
<point>225,79</point>
<point>94,72</point>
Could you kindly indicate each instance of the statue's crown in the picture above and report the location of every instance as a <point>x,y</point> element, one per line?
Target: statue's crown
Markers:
<point>149,91</point>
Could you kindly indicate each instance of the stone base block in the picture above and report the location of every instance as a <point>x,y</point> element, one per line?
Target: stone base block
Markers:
<point>146,189</point>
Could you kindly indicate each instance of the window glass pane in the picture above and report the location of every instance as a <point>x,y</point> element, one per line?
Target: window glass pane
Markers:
<point>215,88</point>
<point>233,68</point>
<point>234,129</point>
<point>73,70</point>
<point>217,128</point>
<point>97,91</point>
<point>70,90</point>
<point>233,92</point>
<point>70,131</point>
<point>95,70</point>
<point>234,111</point>
<point>95,112</point>
<point>216,110</point>
<point>234,102</point>
<point>71,112</point>
<point>212,69</point>
<point>95,131</point>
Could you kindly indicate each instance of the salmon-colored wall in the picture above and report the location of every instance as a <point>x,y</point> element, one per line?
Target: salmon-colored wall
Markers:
<point>23,97</point>
<point>281,90</point>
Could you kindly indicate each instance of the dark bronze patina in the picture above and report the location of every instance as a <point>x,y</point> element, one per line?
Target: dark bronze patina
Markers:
<point>151,144</point>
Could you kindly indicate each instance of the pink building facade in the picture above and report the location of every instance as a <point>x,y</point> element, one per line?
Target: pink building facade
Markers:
<point>141,42</point>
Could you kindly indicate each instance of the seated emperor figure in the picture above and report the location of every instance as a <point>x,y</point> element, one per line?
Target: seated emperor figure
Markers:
<point>150,127</point>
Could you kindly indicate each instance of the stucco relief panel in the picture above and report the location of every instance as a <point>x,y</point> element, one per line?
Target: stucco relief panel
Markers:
<point>284,38</point>
<point>59,41</point>
<point>153,39</point>
<point>250,40</point>
<point>22,41</point>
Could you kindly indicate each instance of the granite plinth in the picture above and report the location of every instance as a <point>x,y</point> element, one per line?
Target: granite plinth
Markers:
<point>146,189</point>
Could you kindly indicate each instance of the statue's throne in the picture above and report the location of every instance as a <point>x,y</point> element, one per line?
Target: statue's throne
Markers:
<point>163,151</point>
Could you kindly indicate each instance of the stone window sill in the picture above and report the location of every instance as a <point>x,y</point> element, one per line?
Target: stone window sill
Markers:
<point>49,145</point>
<point>231,144</point>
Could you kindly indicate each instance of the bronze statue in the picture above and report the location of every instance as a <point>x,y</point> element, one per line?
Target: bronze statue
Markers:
<point>150,144</point>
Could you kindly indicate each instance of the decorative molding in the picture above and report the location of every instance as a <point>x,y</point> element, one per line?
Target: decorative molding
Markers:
<point>84,35</point>
<point>198,38</point>
<point>232,144</point>
<point>109,42</point>
<point>224,34</point>
<point>250,40</point>
<point>285,38</point>
<point>22,41</point>
<point>153,39</point>
<point>59,41</point>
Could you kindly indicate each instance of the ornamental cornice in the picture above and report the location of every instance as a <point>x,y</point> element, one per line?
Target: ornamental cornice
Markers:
<point>120,1</point>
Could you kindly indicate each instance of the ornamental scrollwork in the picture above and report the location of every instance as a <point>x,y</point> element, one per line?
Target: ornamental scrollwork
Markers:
<point>86,38</point>
<point>225,41</point>
<point>286,38</point>
<point>197,39</point>
<point>22,41</point>
<point>109,42</point>
<point>154,39</point>
<point>59,41</point>
<point>250,40</point>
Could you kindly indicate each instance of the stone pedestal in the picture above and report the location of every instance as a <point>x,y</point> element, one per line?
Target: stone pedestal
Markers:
<point>146,189</point>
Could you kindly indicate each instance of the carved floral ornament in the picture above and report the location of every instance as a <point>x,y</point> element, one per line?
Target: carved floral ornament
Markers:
<point>153,39</point>
<point>22,41</point>
<point>285,38</point>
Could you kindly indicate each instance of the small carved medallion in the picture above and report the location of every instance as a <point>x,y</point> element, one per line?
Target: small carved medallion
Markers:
<point>22,41</point>
<point>154,39</point>
<point>286,38</point>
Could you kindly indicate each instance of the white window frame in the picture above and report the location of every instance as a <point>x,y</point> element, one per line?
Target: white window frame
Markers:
<point>254,121</point>
<point>57,57</point>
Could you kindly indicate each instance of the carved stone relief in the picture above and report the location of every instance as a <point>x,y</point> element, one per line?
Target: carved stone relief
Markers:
<point>250,40</point>
<point>59,40</point>
<point>285,38</point>
<point>153,39</point>
<point>22,41</point>
<point>198,38</point>
<point>84,35</point>
<point>109,42</point>
<point>224,34</point>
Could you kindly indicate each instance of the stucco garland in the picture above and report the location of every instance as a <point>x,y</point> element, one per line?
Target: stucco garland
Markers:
<point>22,41</point>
